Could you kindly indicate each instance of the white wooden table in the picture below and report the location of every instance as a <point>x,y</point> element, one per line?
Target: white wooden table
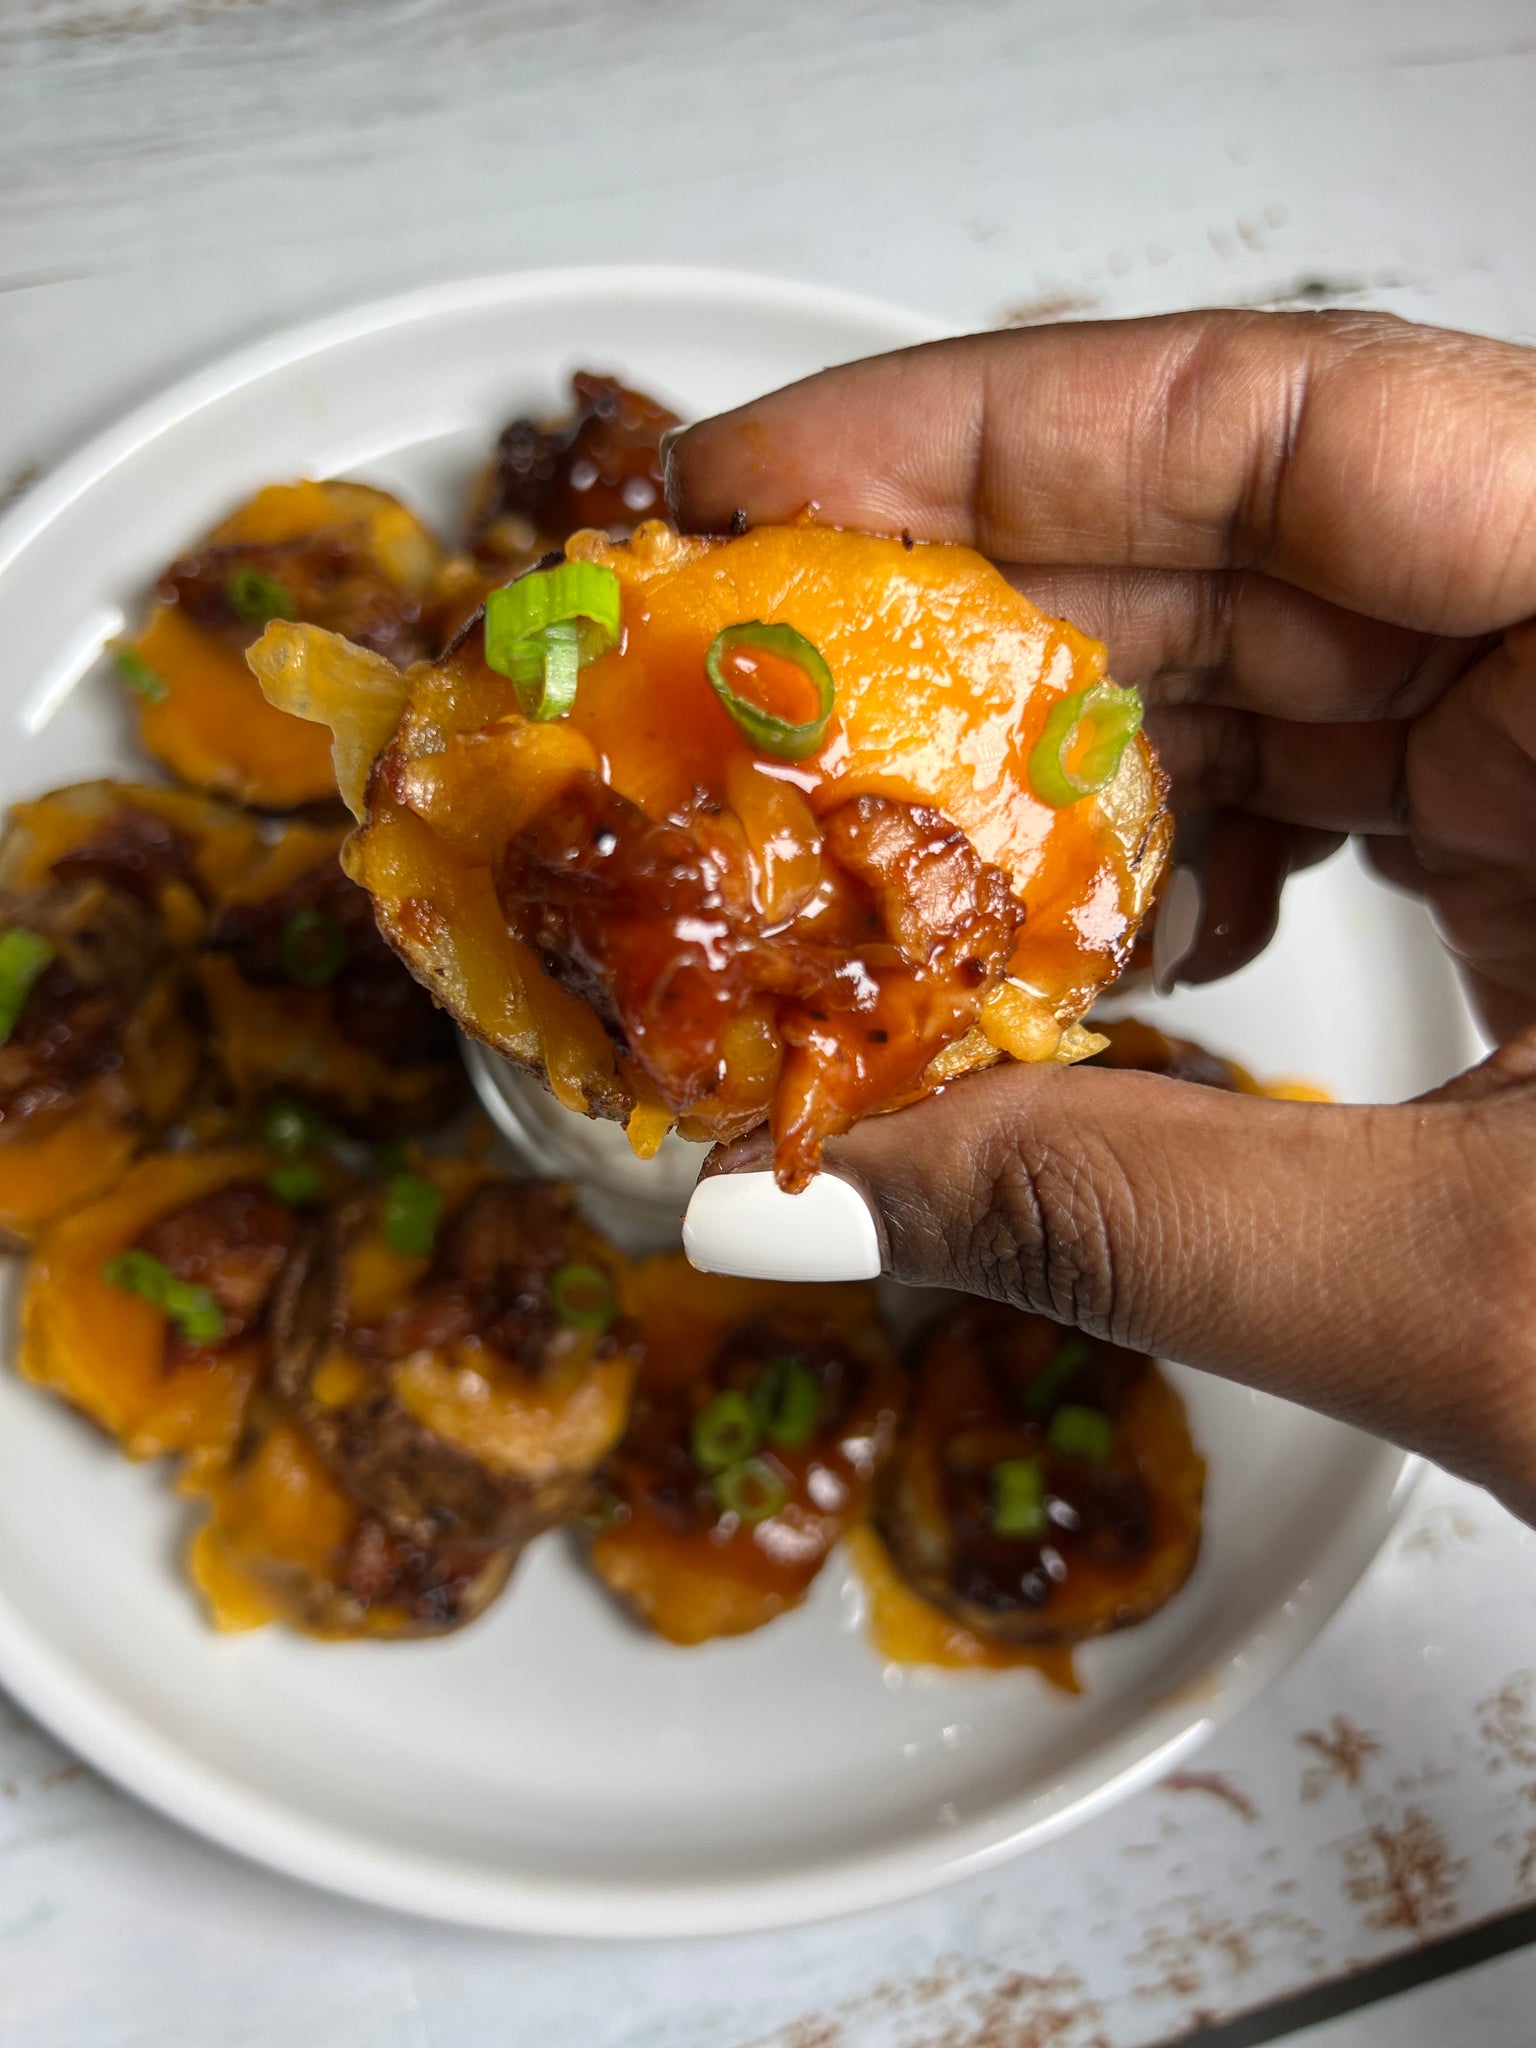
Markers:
<point>177,176</point>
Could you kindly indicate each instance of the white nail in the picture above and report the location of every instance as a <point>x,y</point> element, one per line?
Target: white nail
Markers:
<point>744,1223</point>
<point>1179,917</point>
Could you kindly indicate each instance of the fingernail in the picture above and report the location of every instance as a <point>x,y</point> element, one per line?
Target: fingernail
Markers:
<point>671,435</point>
<point>744,1223</point>
<point>1179,916</point>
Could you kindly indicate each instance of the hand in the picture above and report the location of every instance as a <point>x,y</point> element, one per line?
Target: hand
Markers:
<point>1311,542</point>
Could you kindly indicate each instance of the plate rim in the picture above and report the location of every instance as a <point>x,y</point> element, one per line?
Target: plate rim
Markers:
<point>209,1801</point>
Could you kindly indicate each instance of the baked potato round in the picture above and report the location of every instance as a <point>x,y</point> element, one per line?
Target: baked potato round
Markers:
<point>762,1415</point>
<point>689,895</point>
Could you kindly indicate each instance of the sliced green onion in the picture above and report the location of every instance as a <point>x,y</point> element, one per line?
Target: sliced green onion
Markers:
<point>191,1308</point>
<point>255,596</point>
<point>542,630</point>
<point>788,1401</point>
<point>412,1206</point>
<point>23,957</point>
<point>136,672</point>
<point>769,733</point>
<point>1042,1390</point>
<point>313,948</point>
<point>290,1127</point>
<point>725,1432</point>
<point>1084,739</point>
<point>296,1184</point>
<point>1081,1433</point>
<point>1018,1498</point>
<point>751,1491</point>
<point>582,1297</point>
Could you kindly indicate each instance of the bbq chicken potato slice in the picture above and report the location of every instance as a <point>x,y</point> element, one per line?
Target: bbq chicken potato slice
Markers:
<point>284,1541</point>
<point>149,1308</point>
<point>456,1354</point>
<point>307,1001</point>
<point>1044,1490</point>
<point>342,555</point>
<point>785,828</point>
<point>762,1415</point>
<point>105,890</point>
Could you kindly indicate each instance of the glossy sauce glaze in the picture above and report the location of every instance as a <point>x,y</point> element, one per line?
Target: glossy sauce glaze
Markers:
<point>1044,1490</point>
<point>761,1418</point>
<point>636,902</point>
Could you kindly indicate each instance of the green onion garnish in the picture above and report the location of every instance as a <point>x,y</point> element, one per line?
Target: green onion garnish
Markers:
<point>313,948</point>
<point>255,596</point>
<point>582,1297</point>
<point>191,1308</point>
<point>751,1491</point>
<point>1080,749</point>
<point>1018,1498</point>
<point>725,1432</point>
<point>23,957</point>
<point>1081,1433</point>
<point>290,1127</point>
<point>412,1206</point>
<point>136,672</point>
<point>788,1401</point>
<point>768,732</point>
<point>542,630</point>
<point>1047,1384</point>
<point>297,1183</point>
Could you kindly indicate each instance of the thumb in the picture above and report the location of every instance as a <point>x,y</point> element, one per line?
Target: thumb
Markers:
<point>1376,1263</point>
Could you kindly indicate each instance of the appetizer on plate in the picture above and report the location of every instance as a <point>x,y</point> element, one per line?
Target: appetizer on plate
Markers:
<point>104,893</point>
<point>789,828</point>
<point>761,1418</point>
<point>148,1309</point>
<point>284,1541</point>
<point>1044,1490</point>
<point>340,554</point>
<point>455,1352</point>
<point>306,999</point>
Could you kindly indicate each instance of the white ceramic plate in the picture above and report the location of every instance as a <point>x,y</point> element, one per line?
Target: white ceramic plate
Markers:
<point>553,1769</point>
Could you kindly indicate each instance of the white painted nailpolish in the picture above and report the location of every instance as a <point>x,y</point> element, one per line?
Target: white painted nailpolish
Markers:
<point>1179,917</point>
<point>744,1223</point>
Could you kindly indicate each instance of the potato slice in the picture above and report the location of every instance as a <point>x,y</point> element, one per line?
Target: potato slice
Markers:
<point>634,902</point>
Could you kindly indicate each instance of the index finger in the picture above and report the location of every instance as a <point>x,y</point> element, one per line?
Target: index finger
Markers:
<point>1384,467</point>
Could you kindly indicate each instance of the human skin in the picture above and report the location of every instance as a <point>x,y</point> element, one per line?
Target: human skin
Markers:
<point>1310,540</point>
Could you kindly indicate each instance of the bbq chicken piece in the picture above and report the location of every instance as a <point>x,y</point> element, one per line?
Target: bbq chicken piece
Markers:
<point>105,891</point>
<point>456,1354</point>
<point>789,828</point>
<point>340,555</point>
<point>149,1309</point>
<point>308,1002</point>
<point>762,1416</point>
<point>599,466</point>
